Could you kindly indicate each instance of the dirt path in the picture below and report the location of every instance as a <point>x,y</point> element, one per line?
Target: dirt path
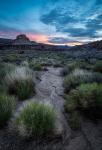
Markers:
<point>50,90</point>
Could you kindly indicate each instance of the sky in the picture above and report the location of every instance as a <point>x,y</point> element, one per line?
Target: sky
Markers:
<point>57,22</point>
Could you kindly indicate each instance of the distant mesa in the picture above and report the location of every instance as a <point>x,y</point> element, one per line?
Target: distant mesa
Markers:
<point>22,39</point>
<point>21,42</point>
<point>22,36</point>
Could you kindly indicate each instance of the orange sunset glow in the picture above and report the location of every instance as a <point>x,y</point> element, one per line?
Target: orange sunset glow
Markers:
<point>45,39</point>
<point>38,38</point>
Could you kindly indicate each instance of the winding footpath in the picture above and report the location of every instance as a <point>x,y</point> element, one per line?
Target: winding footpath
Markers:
<point>50,91</point>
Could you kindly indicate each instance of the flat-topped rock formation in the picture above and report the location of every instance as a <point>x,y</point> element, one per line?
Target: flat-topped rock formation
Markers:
<point>21,40</point>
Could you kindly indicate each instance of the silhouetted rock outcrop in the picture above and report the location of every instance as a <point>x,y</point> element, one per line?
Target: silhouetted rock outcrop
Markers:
<point>22,40</point>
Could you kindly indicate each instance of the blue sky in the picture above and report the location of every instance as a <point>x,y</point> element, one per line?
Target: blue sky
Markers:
<point>68,22</point>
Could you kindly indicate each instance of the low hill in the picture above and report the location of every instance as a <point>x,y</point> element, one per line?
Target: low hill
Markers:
<point>5,41</point>
<point>96,45</point>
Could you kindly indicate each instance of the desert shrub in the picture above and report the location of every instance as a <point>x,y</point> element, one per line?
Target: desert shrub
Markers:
<point>7,104</point>
<point>4,69</point>
<point>73,66</point>
<point>96,77</point>
<point>98,66</point>
<point>90,95</point>
<point>21,52</point>
<point>74,79</point>
<point>36,119</point>
<point>79,76</point>
<point>86,65</point>
<point>56,65</point>
<point>3,88</point>
<point>35,66</point>
<point>20,82</point>
<point>87,98</point>
<point>25,64</point>
<point>65,71</point>
<point>11,57</point>
<point>71,106</point>
<point>82,64</point>
<point>71,103</point>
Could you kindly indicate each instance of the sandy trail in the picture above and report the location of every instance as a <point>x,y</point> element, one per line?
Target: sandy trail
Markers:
<point>50,90</point>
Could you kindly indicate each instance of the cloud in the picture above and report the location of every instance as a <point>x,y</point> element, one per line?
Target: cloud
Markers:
<point>75,18</point>
<point>60,40</point>
<point>57,17</point>
<point>95,23</point>
<point>79,32</point>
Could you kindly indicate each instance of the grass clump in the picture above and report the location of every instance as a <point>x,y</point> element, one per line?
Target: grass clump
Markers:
<point>36,66</point>
<point>87,98</point>
<point>65,71</point>
<point>72,66</point>
<point>90,96</point>
<point>36,119</point>
<point>79,76</point>
<point>98,67</point>
<point>20,82</point>
<point>25,63</point>
<point>11,57</point>
<point>74,79</point>
<point>4,69</point>
<point>7,104</point>
<point>71,101</point>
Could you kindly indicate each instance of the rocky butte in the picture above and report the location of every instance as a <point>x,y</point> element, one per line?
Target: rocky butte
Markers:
<point>21,40</point>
